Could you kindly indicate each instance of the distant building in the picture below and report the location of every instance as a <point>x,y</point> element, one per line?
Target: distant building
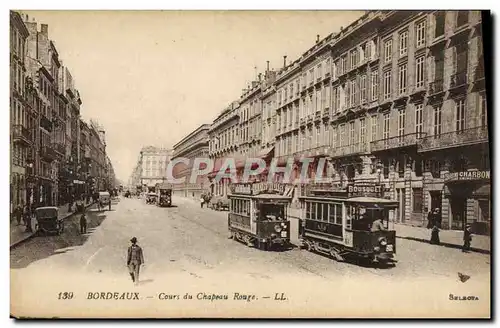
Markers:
<point>194,145</point>
<point>153,165</point>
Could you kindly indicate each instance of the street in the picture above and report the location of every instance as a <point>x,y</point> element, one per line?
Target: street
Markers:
<point>189,245</point>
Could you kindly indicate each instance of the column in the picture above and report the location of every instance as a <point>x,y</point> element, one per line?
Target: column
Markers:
<point>408,190</point>
<point>445,202</point>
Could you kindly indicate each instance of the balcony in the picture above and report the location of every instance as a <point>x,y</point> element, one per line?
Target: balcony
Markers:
<point>436,87</point>
<point>21,134</point>
<point>317,116</point>
<point>406,140</point>
<point>455,139</point>
<point>309,119</point>
<point>349,150</point>
<point>458,80</point>
<point>45,123</point>
<point>59,148</point>
<point>48,153</point>
<point>302,121</point>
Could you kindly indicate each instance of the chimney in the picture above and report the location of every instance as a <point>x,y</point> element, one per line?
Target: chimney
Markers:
<point>284,61</point>
<point>267,69</point>
<point>45,29</point>
<point>260,77</point>
<point>317,38</point>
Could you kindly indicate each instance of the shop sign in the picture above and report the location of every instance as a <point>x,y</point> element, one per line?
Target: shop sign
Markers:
<point>467,176</point>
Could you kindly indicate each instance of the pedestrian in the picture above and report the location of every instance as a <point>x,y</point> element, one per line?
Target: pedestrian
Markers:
<point>27,218</point>
<point>467,238</point>
<point>83,223</point>
<point>437,217</point>
<point>430,219</point>
<point>109,204</point>
<point>435,235</point>
<point>134,260</point>
<point>202,200</point>
<point>18,214</point>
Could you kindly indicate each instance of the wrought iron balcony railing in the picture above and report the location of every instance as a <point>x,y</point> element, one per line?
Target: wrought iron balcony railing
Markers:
<point>48,153</point>
<point>405,140</point>
<point>436,87</point>
<point>21,134</point>
<point>455,139</point>
<point>458,79</point>
<point>59,147</point>
<point>359,148</point>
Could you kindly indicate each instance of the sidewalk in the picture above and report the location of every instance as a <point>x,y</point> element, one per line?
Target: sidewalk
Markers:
<point>18,233</point>
<point>448,238</point>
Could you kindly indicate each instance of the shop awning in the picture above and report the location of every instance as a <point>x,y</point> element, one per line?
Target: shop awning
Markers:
<point>264,153</point>
<point>484,190</point>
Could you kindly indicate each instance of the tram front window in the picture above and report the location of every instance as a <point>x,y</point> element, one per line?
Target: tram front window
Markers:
<point>272,212</point>
<point>363,218</point>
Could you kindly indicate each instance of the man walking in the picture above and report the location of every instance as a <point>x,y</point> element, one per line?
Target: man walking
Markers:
<point>467,238</point>
<point>83,223</point>
<point>134,260</point>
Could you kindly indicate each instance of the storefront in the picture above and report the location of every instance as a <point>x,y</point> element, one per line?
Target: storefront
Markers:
<point>469,200</point>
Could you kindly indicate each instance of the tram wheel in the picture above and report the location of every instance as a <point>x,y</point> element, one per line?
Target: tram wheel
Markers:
<point>335,254</point>
<point>307,246</point>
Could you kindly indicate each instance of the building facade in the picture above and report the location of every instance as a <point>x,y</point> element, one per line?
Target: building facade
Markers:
<point>45,119</point>
<point>396,98</point>
<point>154,161</point>
<point>21,113</point>
<point>194,145</point>
<point>224,139</point>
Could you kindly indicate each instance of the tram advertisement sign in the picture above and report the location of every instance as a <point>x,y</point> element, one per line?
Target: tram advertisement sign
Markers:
<point>258,188</point>
<point>366,190</point>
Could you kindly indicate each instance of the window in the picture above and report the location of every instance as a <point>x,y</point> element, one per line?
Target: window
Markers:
<point>374,84</point>
<point>440,23</point>
<point>419,119</point>
<point>343,64</point>
<point>420,33</point>
<point>419,72</point>
<point>352,139</point>
<point>347,91</point>
<point>328,92</point>
<point>387,85</point>
<point>334,137</point>
<point>402,78</point>
<point>388,51</point>
<point>352,96</point>
<point>362,88</point>
<point>461,60</point>
<point>483,109</point>
<point>374,127</point>
<point>462,17</point>
<point>385,134</point>
<point>417,200</point>
<point>401,122</point>
<point>311,76</point>
<point>354,59</point>
<point>319,72</point>
<point>337,98</point>
<point>403,43</point>
<point>362,131</point>
<point>460,115</point>
<point>342,135</point>
<point>437,120</point>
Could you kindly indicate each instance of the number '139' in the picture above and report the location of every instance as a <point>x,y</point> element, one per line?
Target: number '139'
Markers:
<point>65,296</point>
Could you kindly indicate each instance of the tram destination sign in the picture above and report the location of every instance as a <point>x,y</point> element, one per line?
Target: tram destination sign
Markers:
<point>258,188</point>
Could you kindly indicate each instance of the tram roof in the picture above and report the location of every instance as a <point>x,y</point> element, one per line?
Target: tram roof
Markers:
<point>262,196</point>
<point>372,200</point>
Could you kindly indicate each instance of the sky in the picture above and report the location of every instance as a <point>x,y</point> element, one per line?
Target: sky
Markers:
<point>152,77</point>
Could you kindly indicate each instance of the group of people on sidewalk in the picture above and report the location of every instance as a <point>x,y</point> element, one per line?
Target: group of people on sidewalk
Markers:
<point>434,223</point>
<point>23,214</point>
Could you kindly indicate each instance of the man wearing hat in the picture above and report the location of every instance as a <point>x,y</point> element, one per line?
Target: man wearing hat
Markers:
<point>134,260</point>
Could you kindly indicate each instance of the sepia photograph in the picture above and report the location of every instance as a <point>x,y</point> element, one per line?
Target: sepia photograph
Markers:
<point>250,164</point>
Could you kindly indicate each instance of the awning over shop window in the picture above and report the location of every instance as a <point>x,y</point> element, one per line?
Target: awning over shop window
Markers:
<point>264,153</point>
<point>484,190</point>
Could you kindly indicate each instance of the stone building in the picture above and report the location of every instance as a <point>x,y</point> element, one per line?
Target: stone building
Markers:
<point>224,137</point>
<point>154,161</point>
<point>194,145</point>
<point>22,111</point>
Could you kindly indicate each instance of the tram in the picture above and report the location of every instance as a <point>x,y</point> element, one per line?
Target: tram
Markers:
<point>352,221</point>
<point>258,214</point>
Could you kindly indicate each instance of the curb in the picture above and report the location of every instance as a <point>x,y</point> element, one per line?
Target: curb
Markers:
<point>19,242</point>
